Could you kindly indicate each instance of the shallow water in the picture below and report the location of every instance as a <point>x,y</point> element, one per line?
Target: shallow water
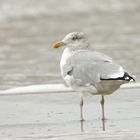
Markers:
<point>28,30</point>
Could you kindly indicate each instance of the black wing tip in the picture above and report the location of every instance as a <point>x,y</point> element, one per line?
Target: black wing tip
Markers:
<point>126,77</point>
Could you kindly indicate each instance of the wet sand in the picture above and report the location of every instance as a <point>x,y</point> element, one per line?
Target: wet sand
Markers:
<point>54,114</point>
<point>111,135</point>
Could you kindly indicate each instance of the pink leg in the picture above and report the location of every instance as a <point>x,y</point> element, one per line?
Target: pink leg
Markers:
<point>102,105</point>
<point>81,109</point>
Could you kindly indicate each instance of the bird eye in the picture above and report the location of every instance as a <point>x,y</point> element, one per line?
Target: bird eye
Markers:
<point>75,38</point>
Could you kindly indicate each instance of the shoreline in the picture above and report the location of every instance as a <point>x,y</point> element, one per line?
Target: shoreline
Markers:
<point>49,88</point>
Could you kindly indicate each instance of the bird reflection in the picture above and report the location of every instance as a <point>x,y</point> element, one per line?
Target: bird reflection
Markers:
<point>82,125</point>
<point>103,124</point>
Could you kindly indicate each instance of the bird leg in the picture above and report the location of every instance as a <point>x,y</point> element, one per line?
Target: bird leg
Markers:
<point>102,105</point>
<point>81,108</point>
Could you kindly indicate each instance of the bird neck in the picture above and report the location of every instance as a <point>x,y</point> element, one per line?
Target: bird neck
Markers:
<point>76,48</point>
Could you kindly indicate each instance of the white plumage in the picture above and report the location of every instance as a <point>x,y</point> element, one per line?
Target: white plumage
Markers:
<point>89,72</point>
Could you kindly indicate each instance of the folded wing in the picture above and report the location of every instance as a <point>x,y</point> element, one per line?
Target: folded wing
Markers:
<point>87,67</point>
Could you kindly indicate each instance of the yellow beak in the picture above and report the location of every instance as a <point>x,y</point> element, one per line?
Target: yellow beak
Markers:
<point>58,44</point>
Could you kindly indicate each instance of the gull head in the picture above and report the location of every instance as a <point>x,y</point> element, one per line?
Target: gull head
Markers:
<point>73,41</point>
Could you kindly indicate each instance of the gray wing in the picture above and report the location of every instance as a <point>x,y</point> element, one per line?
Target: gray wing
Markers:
<point>87,67</point>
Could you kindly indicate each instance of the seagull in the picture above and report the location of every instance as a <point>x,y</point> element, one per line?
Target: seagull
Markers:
<point>89,72</point>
